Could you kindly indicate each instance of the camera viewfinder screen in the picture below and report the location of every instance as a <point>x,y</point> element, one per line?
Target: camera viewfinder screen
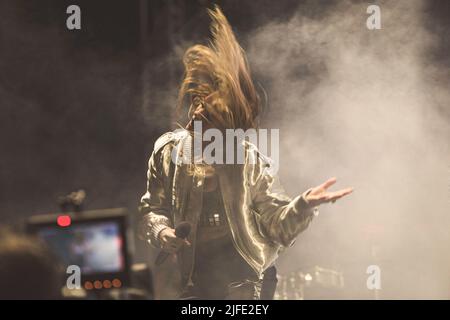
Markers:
<point>94,247</point>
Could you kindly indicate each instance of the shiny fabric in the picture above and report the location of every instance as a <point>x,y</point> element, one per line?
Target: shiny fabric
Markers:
<point>262,218</point>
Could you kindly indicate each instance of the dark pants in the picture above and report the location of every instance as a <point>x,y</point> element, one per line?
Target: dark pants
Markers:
<point>220,273</point>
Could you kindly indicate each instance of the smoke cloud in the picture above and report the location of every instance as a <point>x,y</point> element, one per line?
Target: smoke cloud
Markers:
<point>371,108</point>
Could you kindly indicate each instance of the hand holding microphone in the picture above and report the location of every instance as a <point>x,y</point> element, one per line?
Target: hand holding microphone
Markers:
<point>172,240</point>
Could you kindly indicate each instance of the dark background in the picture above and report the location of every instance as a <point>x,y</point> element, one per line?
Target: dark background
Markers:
<point>77,110</point>
<point>71,107</point>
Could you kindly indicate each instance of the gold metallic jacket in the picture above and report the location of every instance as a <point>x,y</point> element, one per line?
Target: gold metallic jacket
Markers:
<point>262,220</point>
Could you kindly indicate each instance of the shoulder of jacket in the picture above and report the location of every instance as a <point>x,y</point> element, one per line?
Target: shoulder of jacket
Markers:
<point>169,137</point>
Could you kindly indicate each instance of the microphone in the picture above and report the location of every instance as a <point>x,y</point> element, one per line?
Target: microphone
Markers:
<point>182,231</point>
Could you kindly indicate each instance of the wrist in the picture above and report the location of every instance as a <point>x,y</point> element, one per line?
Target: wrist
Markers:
<point>302,205</point>
<point>157,233</point>
<point>161,233</point>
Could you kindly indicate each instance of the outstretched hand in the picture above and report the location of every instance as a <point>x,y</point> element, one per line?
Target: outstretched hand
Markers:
<point>320,195</point>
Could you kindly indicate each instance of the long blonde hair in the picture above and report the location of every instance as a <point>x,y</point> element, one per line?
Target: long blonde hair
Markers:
<point>218,77</point>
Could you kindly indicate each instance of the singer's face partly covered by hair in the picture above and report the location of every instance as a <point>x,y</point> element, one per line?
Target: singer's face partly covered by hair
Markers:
<point>198,112</point>
<point>217,81</point>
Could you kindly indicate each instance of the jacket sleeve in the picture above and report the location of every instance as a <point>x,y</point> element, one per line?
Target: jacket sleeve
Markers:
<point>155,204</point>
<point>280,218</point>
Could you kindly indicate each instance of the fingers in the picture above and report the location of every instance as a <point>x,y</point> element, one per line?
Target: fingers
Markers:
<point>173,245</point>
<point>327,197</point>
<point>328,183</point>
<point>333,196</point>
